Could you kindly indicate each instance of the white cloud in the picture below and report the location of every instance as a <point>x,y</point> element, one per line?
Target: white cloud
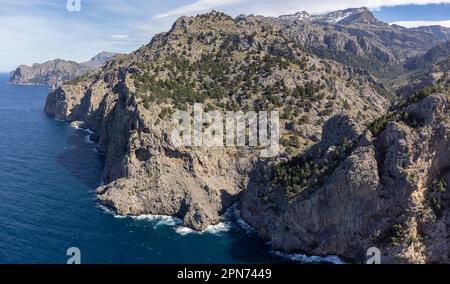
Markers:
<point>275,8</point>
<point>415,24</point>
<point>119,36</point>
<point>199,6</point>
<point>36,31</point>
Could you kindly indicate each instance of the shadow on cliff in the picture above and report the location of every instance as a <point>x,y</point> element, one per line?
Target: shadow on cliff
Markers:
<point>251,249</point>
<point>81,159</point>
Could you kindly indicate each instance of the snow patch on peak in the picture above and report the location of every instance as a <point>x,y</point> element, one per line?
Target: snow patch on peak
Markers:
<point>301,16</point>
<point>338,16</point>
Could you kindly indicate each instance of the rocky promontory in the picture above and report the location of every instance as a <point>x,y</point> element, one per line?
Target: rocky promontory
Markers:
<point>53,73</point>
<point>355,170</point>
<point>128,104</point>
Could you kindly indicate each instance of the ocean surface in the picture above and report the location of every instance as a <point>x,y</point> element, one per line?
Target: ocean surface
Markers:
<point>48,176</point>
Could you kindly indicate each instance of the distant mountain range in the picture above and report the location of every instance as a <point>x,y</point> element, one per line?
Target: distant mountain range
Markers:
<point>360,15</point>
<point>53,73</point>
<point>355,37</point>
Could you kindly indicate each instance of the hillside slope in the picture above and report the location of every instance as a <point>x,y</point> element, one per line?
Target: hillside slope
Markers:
<point>354,170</point>
<point>387,187</point>
<point>226,65</point>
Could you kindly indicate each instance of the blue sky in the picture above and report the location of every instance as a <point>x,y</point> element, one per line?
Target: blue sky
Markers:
<point>39,30</point>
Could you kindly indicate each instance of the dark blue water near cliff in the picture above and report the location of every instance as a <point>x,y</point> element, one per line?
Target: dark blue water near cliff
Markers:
<point>48,176</point>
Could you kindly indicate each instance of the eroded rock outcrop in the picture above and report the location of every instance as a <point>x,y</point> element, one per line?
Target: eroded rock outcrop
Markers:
<point>390,191</point>
<point>144,173</point>
<point>127,104</point>
<point>350,191</point>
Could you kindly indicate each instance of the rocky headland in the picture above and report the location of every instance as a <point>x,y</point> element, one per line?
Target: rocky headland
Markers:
<point>360,166</point>
<point>55,72</point>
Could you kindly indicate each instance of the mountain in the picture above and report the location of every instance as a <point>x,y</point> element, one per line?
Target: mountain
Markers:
<point>361,188</point>
<point>226,65</point>
<point>358,166</point>
<point>299,16</point>
<point>355,37</point>
<point>97,61</point>
<point>53,73</point>
<point>436,31</point>
<point>343,17</point>
<point>349,16</point>
<point>429,69</point>
<point>433,56</point>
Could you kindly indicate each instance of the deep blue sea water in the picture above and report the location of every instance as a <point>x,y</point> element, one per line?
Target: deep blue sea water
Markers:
<point>48,176</point>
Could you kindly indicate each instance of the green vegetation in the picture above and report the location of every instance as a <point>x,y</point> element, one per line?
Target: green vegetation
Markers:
<point>435,197</point>
<point>304,174</point>
<point>380,124</point>
<point>398,114</point>
<point>233,70</point>
<point>419,96</point>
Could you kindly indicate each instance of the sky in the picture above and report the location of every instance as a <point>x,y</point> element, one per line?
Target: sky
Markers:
<point>34,31</point>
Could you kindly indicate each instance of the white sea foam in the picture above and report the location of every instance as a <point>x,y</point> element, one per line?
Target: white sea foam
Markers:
<point>107,210</point>
<point>212,229</point>
<point>232,216</point>
<point>162,220</point>
<point>77,127</point>
<point>309,259</point>
<point>224,226</point>
<point>88,140</point>
<point>219,228</point>
<point>230,219</point>
<point>159,220</point>
<point>184,231</point>
<point>241,222</point>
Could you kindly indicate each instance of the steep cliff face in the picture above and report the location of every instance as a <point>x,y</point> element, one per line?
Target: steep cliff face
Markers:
<point>54,73</point>
<point>48,73</point>
<point>342,194</point>
<point>144,172</point>
<point>388,190</point>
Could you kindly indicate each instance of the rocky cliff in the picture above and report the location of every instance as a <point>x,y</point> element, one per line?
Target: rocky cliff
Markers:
<point>53,73</point>
<point>332,195</point>
<point>387,187</point>
<point>232,65</point>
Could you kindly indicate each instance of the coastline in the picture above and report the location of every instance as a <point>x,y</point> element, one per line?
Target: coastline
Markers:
<point>231,219</point>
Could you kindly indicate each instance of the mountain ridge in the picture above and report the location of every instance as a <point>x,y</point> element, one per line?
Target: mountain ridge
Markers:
<point>355,171</point>
<point>54,72</point>
<point>351,15</point>
<point>355,37</point>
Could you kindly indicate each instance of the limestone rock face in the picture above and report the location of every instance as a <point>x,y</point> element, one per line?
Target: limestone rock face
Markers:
<point>144,173</point>
<point>351,190</point>
<point>391,192</point>
<point>126,102</point>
